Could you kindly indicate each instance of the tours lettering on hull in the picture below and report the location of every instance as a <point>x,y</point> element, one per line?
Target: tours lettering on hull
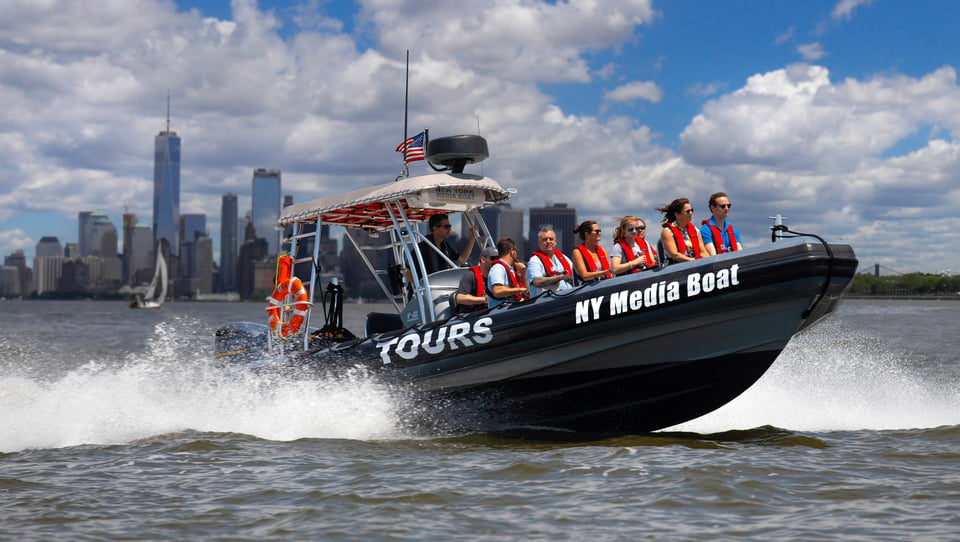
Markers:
<point>657,293</point>
<point>437,340</point>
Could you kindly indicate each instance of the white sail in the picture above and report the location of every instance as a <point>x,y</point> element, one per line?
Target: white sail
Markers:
<point>150,300</point>
<point>162,271</point>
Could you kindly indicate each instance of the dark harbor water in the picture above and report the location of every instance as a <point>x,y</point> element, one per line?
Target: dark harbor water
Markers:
<point>114,426</point>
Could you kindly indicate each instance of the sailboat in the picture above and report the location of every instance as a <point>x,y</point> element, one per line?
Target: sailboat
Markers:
<point>151,299</point>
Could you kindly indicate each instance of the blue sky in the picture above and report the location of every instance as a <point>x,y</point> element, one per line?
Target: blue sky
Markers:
<point>841,115</point>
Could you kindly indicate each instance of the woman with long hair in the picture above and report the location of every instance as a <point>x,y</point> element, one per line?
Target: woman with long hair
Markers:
<point>589,259</point>
<point>680,238</point>
<point>631,253</point>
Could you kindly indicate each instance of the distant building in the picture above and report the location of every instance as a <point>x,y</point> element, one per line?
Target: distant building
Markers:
<point>17,260</point>
<point>10,281</point>
<point>99,240</point>
<point>561,218</point>
<point>166,189</point>
<point>504,220</point>
<point>47,265</point>
<point>83,221</point>
<point>129,222</point>
<point>229,243</point>
<point>253,250</point>
<point>141,260</point>
<point>192,226</point>
<point>266,207</point>
<point>203,266</point>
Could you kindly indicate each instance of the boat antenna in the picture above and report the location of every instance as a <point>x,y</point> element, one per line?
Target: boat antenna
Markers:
<point>478,133</point>
<point>406,106</point>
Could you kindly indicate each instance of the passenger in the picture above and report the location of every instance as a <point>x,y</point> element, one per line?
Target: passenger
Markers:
<point>589,259</point>
<point>507,278</point>
<point>471,294</point>
<point>548,268</point>
<point>631,253</point>
<point>680,238</point>
<point>439,231</point>
<point>720,236</point>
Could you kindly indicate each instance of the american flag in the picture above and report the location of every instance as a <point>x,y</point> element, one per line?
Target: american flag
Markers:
<point>412,148</point>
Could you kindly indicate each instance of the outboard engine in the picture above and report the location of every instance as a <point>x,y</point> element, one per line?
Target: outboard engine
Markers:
<point>454,152</point>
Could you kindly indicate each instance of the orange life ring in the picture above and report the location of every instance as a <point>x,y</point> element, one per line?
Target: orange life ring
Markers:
<point>294,289</point>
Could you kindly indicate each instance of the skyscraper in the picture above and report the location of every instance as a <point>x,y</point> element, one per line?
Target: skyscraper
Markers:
<point>99,236</point>
<point>47,264</point>
<point>559,217</point>
<point>166,189</point>
<point>192,227</point>
<point>83,219</point>
<point>229,243</point>
<point>266,207</point>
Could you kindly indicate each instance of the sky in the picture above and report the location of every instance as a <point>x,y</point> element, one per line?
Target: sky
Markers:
<point>840,115</point>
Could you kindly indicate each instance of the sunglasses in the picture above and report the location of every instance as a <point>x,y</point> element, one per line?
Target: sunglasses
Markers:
<point>637,229</point>
<point>724,206</point>
<point>445,226</point>
<point>688,212</point>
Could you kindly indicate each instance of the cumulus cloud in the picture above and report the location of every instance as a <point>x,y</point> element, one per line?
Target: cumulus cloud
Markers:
<point>844,9</point>
<point>830,151</point>
<point>636,90</point>
<point>811,51</point>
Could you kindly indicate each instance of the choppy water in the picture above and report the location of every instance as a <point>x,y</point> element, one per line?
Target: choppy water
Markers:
<point>113,426</point>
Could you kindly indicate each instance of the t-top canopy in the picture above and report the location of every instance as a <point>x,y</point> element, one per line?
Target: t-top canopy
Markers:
<point>420,197</point>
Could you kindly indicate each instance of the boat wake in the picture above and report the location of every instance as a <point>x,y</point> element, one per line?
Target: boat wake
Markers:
<point>836,378</point>
<point>831,378</point>
<point>174,387</point>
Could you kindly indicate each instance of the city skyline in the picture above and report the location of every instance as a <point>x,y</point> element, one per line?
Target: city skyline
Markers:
<point>840,115</point>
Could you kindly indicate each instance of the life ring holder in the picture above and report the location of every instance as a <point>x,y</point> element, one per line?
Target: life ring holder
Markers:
<point>289,299</point>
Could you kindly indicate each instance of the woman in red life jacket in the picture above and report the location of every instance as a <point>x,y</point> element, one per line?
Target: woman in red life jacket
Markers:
<point>680,238</point>
<point>589,259</point>
<point>631,253</point>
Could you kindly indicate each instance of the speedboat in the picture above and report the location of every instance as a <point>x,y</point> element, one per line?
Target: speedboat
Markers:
<point>624,355</point>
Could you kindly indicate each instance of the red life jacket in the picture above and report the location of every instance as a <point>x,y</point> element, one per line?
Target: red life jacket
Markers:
<point>628,253</point>
<point>718,237</point>
<point>512,277</point>
<point>478,276</point>
<point>548,263</point>
<point>648,252</point>
<point>479,291</point>
<point>678,236</point>
<point>590,264</point>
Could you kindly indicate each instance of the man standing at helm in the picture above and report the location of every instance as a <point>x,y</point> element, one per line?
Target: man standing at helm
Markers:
<point>718,234</point>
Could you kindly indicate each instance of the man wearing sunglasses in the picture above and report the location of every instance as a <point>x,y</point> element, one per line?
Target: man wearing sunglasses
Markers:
<point>719,236</point>
<point>437,241</point>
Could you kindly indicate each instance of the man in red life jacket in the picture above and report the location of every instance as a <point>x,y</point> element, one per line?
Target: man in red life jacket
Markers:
<point>508,276</point>
<point>548,268</point>
<point>471,294</point>
<point>719,236</point>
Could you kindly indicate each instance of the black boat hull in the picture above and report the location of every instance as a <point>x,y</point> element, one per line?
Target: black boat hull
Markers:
<point>625,355</point>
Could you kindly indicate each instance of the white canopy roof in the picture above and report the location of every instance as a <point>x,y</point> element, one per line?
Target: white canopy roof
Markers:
<point>420,197</point>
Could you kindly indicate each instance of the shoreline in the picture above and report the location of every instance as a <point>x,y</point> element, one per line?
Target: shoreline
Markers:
<point>916,297</point>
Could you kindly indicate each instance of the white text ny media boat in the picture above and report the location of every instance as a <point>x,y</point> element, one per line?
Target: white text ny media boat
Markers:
<point>624,355</point>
